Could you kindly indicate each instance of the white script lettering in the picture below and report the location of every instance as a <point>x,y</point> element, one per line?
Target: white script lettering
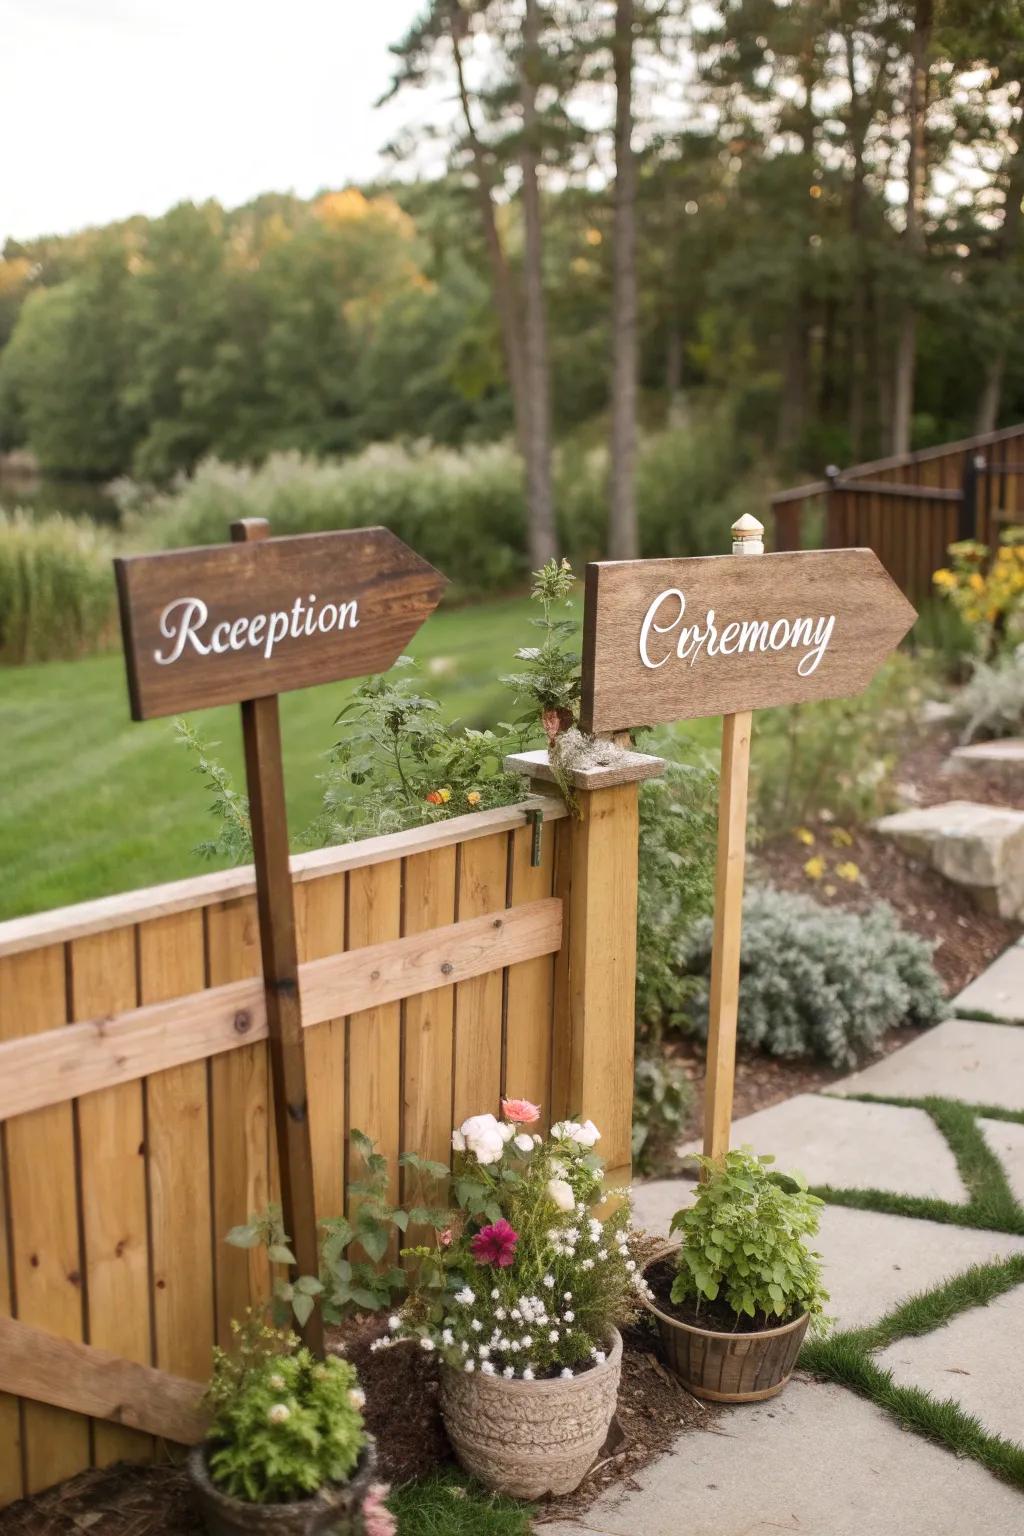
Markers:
<point>183,623</point>
<point>738,637</point>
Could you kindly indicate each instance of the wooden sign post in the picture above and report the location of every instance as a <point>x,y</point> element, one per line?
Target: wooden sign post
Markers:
<point>243,622</point>
<point>719,635</point>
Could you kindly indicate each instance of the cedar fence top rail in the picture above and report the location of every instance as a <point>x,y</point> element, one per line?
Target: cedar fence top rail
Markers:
<point>62,924</point>
<point>899,461</point>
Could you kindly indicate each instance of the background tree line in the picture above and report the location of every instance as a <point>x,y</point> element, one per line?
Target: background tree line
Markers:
<point>810,209</point>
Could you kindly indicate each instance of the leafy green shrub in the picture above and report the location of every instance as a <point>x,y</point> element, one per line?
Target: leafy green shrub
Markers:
<point>56,588</point>
<point>283,1424</point>
<point>820,982</point>
<point>688,485</point>
<point>744,1241</point>
<point>662,1101</point>
<point>833,755</point>
<point>992,702</point>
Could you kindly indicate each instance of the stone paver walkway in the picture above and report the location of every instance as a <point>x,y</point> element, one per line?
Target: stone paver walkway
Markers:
<point>819,1459</point>
<point>997,993</point>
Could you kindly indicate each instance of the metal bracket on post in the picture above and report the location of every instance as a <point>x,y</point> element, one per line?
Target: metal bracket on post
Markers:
<point>535,816</point>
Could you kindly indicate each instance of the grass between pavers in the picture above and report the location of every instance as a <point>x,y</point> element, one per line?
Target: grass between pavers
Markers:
<point>846,1358</point>
<point>448,1504</point>
<point>990,1205</point>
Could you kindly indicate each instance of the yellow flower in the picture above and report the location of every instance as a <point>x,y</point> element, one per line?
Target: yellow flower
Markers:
<point>944,578</point>
<point>977,581</point>
<point>841,838</point>
<point>473,798</point>
<point>804,835</point>
<point>815,868</point>
<point>848,871</point>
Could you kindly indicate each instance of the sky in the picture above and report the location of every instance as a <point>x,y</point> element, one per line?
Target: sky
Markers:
<point>115,107</point>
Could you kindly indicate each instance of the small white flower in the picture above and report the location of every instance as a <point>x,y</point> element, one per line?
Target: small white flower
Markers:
<point>566,1374</point>
<point>599,1357</point>
<point>509,1372</point>
<point>464,1347</point>
<point>476,1325</point>
<point>602,1253</point>
<point>279,1413</point>
<point>484,1351</point>
<point>523,1143</point>
<point>394,1322</point>
<point>500,1314</point>
<point>447,1337</point>
<point>469,1367</point>
<point>537,1140</point>
<point>495,1294</point>
<point>560,1193</point>
<point>517,1315</point>
<point>527,1373</point>
<point>277,1382</point>
<point>567,1295</point>
<point>466,1296</point>
<point>630,1266</point>
<point>549,1281</point>
<point>487,1369</point>
<point>553,1335</point>
<point>357,1397</point>
<point>587,1264</point>
<point>426,1343</point>
<point>526,1341</point>
<point>570,1317</point>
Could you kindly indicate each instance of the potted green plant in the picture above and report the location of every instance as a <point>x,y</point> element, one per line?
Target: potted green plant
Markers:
<point>520,1299</point>
<point>734,1300</point>
<point>286,1450</point>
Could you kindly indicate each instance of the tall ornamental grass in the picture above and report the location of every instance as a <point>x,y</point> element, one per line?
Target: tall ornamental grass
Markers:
<point>56,588</point>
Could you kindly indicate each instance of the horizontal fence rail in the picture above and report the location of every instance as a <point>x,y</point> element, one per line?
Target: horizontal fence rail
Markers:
<point>910,508</point>
<point>136,1122</point>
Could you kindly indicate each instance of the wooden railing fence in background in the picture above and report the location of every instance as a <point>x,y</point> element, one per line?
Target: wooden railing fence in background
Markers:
<point>440,969</point>
<point>909,509</point>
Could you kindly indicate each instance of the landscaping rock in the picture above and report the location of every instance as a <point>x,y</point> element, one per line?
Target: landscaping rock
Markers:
<point>961,1059</point>
<point>817,1460</point>
<point>974,1359</point>
<point>1008,753</point>
<point>980,847</point>
<point>871,1261</point>
<point>998,993</point>
<point>853,1146</point>
<point>1006,1139</point>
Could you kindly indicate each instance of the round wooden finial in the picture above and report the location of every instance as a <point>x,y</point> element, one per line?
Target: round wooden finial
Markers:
<point>747,536</point>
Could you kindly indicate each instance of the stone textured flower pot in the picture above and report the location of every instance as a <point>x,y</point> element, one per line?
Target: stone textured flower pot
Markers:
<point>531,1438</point>
<point>336,1508</point>
<point>729,1367</point>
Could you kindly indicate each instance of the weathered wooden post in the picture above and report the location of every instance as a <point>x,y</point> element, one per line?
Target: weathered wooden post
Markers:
<point>241,623</point>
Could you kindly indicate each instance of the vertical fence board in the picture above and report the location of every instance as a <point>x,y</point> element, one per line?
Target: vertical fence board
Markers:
<point>320,922</point>
<point>428,1028</point>
<point>530,988</point>
<point>483,881</point>
<point>47,1264</point>
<point>240,1119</point>
<point>172,964</point>
<point>374,1035</point>
<point>111,1134</point>
<point>11,1485</point>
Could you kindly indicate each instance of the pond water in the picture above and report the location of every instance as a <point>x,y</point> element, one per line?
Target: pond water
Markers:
<point>42,497</point>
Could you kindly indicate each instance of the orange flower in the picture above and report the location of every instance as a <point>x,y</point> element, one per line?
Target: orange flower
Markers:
<point>435,797</point>
<point>473,798</point>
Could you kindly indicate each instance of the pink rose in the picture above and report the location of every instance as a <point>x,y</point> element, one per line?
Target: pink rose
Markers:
<point>520,1111</point>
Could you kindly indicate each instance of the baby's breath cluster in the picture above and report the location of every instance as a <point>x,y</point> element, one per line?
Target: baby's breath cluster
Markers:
<point>534,1277</point>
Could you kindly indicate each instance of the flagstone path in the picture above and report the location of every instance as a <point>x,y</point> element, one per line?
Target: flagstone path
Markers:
<point>820,1459</point>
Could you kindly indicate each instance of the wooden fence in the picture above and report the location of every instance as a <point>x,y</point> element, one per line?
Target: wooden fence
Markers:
<point>911,508</point>
<point>442,967</point>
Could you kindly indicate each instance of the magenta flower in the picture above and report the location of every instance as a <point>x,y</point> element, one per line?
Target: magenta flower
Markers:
<point>495,1244</point>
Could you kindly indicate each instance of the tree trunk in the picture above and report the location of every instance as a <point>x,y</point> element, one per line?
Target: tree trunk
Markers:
<point>858,285</point>
<point>623,541</point>
<point>1006,249</point>
<point>540,496</point>
<point>503,289</point>
<point>917,181</point>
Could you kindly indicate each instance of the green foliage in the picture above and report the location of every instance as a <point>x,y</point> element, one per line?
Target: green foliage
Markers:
<point>744,1241</point>
<point>820,982</point>
<point>229,809</point>
<point>283,1424</point>
<point>545,1306</point>
<point>552,675</point>
<point>836,755</point>
<point>56,588</point>
<point>662,1101</point>
<point>991,704</point>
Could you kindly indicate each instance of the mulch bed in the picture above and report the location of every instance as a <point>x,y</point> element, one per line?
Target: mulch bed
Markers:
<point>927,768</point>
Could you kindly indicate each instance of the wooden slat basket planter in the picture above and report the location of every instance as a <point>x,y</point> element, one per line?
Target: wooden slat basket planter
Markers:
<point>730,1367</point>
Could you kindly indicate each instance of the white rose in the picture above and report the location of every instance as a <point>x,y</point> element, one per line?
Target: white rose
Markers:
<point>561,1193</point>
<point>483,1138</point>
<point>458,1141</point>
<point>564,1130</point>
<point>587,1134</point>
<point>507,1131</point>
<point>524,1143</point>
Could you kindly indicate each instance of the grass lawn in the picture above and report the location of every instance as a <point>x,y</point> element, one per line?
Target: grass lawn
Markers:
<point>93,803</point>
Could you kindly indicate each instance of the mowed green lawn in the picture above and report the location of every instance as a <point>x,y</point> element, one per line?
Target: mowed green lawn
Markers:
<point>92,803</point>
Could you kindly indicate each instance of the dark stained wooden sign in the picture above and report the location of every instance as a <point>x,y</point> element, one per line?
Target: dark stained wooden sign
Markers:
<point>717,635</point>
<point>250,619</point>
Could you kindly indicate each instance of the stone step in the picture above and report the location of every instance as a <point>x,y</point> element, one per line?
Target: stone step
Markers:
<point>980,847</point>
<point>1008,753</point>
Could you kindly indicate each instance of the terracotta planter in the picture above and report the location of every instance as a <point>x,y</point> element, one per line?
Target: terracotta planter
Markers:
<point>531,1438</point>
<point>729,1367</point>
<point>337,1508</point>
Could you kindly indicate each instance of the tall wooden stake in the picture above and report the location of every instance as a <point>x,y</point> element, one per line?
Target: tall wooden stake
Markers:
<point>264,772</point>
<point>748,539</point>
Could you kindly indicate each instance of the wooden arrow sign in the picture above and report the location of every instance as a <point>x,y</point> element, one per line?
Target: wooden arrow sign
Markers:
<point>674,639</point>
<point>247,620</point>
